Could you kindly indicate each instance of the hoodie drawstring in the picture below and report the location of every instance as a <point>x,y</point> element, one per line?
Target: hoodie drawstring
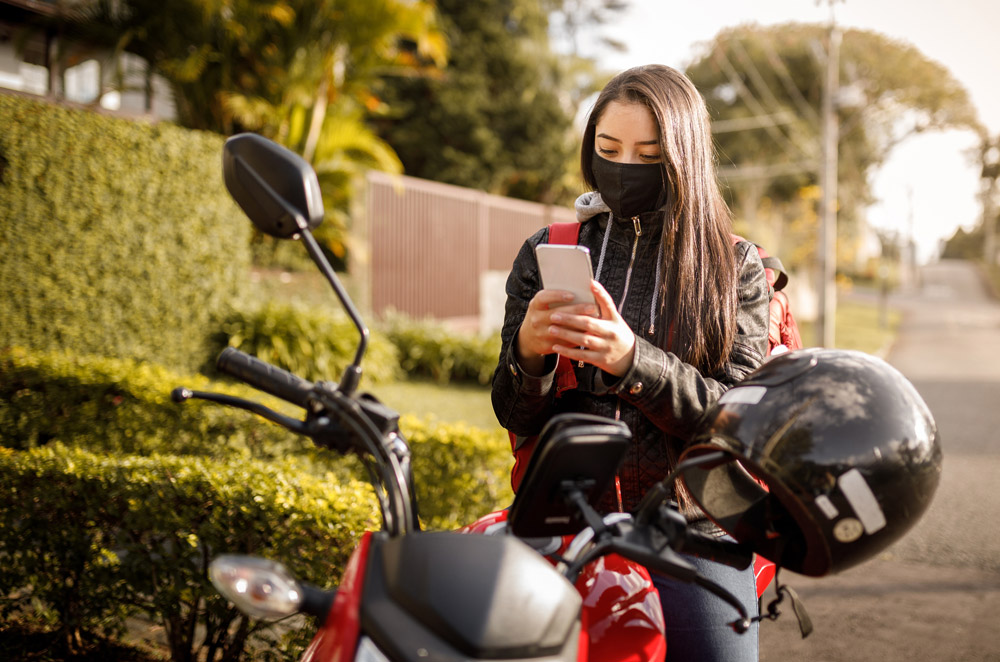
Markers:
<point>656,289</point>
<point>656,286</point>
<point>604,246</point>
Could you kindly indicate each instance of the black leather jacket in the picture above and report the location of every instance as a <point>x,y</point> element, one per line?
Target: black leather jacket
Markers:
<point>661,398</point>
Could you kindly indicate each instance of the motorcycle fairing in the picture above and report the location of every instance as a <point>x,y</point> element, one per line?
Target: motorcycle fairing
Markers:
<point>446,596</point>
<point>337,638</point>
<point>621,611</point>
<point>621,614</point>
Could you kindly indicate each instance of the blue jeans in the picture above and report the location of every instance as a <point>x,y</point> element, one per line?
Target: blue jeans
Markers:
<point>697,622</point>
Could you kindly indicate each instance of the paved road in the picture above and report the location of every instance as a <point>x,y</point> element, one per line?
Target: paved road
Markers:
<point>934,595</point>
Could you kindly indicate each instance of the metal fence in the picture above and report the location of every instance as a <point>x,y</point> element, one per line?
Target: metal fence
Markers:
<point>440,251</point>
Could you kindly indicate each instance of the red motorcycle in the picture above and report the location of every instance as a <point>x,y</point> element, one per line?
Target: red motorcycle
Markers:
<point>550,578</point>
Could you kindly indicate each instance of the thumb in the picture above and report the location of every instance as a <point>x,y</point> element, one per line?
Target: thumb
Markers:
<point>605,304</point>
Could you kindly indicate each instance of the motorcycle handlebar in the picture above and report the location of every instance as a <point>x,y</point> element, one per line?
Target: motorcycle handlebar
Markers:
<point>264,376</point>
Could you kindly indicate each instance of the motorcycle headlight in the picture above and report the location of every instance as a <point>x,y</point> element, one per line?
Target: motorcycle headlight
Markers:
<point>258,587</point>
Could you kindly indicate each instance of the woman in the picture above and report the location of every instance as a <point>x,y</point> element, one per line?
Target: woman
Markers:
<point>680,316</point>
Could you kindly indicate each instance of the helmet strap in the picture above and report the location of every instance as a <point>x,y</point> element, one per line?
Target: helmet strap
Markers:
<point>798,607</point>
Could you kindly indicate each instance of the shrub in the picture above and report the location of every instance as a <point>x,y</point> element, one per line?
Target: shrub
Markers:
<point>308,341</point>
<point>124,406</point>
<point>119,238</point>
<point>111,536</point>
<point>461,473</point>
<point>428,348</point>
<point>100,516</point>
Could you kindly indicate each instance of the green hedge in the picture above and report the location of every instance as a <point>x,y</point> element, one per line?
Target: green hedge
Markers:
<point>461,473</point>
<point>430,349</point>
<point>118,238</point>
<point>113,536</point>
<point>124,406</point>
<point>308,341</point>
<point>101,460</point>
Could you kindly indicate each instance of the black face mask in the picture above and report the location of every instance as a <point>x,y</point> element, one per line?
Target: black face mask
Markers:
<point>628,189</point>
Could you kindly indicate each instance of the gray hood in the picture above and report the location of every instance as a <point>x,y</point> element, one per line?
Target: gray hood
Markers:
<point>588,205</point>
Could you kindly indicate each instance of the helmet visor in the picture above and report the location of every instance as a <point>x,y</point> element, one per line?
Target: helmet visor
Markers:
<point>743,500</point>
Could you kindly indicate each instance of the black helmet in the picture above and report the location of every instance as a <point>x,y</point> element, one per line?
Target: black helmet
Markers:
<point>846,447</point>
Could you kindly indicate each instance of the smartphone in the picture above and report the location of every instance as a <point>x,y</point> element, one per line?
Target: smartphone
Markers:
<point>566,267</point>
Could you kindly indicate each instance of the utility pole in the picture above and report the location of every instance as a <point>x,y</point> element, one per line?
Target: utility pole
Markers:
<point>828,181</point>
<point>988,183</point>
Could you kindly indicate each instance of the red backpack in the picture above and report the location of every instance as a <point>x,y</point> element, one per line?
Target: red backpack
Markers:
<point>782,331</point>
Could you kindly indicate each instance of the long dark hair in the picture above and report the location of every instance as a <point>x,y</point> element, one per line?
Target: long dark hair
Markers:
<point>699,277</point>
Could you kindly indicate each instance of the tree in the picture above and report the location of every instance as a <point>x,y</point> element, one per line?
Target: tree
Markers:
<point>496,119</point>
<point>763,86</point>
<point>580,20</point>
<point>298,71</point>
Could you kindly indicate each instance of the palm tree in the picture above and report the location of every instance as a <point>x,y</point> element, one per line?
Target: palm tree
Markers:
<point>298,71</point>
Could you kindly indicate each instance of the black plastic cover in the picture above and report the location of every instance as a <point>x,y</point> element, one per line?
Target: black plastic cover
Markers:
<point>465,595</point>
<point>579,449</point>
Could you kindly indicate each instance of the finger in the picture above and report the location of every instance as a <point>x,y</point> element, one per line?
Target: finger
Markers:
<point>605,304</point>
<point>575,314</point>
<point>563,335</point>
<point>545,299</point>
<point>574,353</point>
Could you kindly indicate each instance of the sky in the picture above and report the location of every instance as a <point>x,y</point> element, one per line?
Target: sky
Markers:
<point>929,184</point>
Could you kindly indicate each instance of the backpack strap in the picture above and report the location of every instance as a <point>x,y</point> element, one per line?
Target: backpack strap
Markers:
<point>775,265</point>
<point>564,233</point>
<point>777,277</point>
<point>782,329</point>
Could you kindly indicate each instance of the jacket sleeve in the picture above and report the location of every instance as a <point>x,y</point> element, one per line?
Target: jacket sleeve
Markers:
<point>673,394</point>
<point>522,402</point>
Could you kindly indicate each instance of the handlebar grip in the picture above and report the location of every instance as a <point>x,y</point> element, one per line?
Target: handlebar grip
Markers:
<point>264,376</point>
<point>728,552</point>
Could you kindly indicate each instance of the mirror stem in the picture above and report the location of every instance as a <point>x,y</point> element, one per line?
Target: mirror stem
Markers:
<point>352,374</point>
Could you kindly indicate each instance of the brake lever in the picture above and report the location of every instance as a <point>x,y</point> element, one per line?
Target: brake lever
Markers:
<point>182,394</point>
<point>656,551</point>
<point>654,548</point>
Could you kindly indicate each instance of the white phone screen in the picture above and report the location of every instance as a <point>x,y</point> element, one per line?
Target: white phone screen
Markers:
<point>566,267</point>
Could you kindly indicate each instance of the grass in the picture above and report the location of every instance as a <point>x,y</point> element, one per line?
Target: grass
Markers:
<point>859,325</point>
<point>991,275</point>
<point>450,403</point>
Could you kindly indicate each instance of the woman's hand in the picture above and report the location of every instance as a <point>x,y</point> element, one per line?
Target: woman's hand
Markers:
<point>534,341</point>
<point>606,342</point>
<point>573,331</point>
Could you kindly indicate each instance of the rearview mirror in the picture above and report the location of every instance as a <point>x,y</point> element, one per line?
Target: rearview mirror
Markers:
<point>276,188</point>
<point>280,193</point>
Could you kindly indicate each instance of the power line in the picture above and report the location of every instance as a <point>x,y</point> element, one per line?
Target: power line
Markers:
<point>778,67</point>
<point>747,123</point>
<point>768,170</point>
<point>751,101</point>
<point>765,90</point>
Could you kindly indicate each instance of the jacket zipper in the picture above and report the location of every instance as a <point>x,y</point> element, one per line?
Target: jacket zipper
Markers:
<point>628,281</point>
<point>631,262</point>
